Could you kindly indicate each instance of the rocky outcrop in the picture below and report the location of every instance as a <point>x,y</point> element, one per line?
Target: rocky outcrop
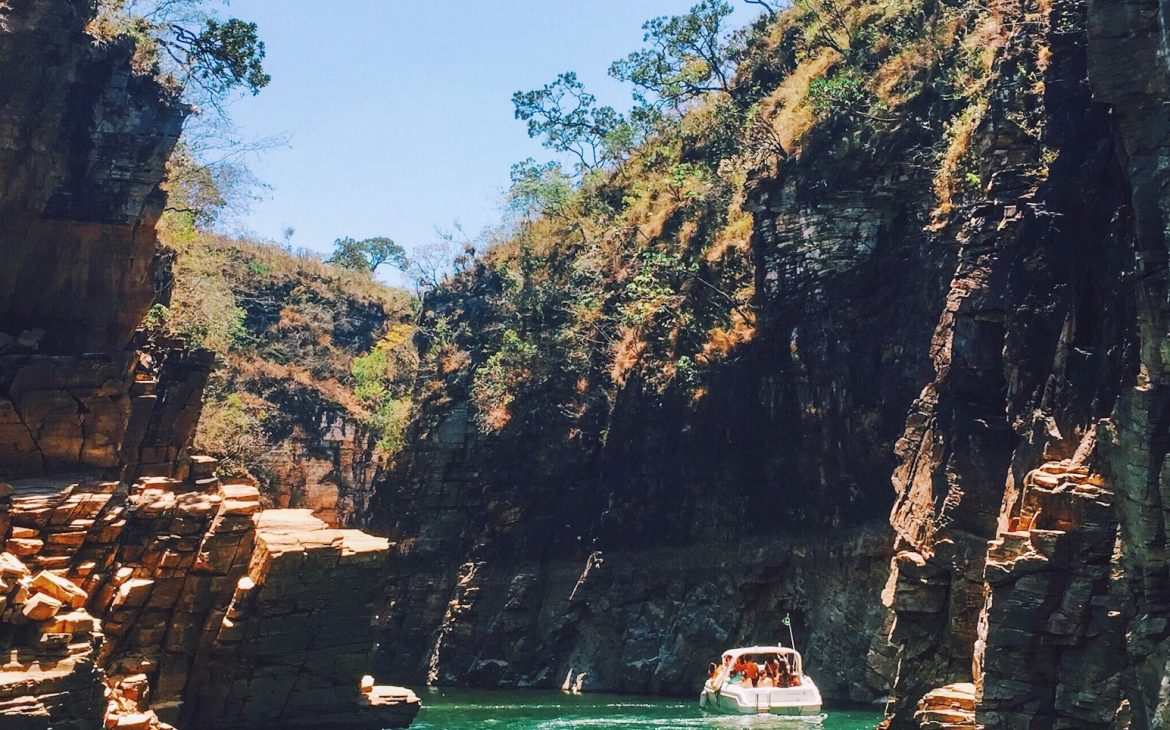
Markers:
<point>1051,617</point>
<point>218,613</point>
<point>1028,575</point>
<point>287,650</point>
<point>50,677</point>
<point>124,556</point>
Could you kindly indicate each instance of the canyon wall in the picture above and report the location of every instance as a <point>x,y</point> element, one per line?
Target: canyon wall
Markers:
<point>636,541</point>
<point>135,586</point>
<point>1030,570</point>
<point>1000,354</point>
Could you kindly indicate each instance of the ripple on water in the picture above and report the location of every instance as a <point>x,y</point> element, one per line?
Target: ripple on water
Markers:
<point>461,709</point>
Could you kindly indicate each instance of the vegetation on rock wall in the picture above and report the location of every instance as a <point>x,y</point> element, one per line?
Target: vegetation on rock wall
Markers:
<point>638,257</point>
<point>295,335</point>
<point>310,351</point>
<point>703,324</point>
<point>635,259</point>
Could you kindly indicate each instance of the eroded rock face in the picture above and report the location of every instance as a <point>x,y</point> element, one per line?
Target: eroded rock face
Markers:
<point>217,613</point>
<point>1028,577</point>
<point>638,546</point>
<point>287,650</point>
<point>1031,558</point>
<point>326,465</point>
<point>639,559</point>
<point>1129,70</point>
<point>50,676</point>
<point>83,143</point>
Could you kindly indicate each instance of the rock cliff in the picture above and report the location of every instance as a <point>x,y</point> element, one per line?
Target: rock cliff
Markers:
<point>1029,555</point>
<point>636,538</point>
<point>135,587</point>
<point>642,436</point>
<point>964,288</point>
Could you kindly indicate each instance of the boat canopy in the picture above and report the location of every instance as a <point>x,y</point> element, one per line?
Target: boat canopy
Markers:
<point>794,658</point>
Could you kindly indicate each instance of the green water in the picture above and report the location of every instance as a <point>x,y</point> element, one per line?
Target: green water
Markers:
<point>463,709</point>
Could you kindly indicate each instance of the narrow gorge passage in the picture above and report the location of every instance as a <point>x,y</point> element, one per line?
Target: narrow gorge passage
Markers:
<point>833,325</point>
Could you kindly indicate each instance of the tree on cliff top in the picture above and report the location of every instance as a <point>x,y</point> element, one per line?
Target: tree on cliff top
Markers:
<point>569,120</point>
<point>686,57</point>
<point>220,57</point>
<point>367,254</point>
<point>208,58</point>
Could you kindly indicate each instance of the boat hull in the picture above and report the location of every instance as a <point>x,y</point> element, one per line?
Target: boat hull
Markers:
<point>735,699</point>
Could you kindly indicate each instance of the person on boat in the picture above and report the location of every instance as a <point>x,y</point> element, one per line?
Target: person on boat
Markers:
<point>751,671</point>
<point>739,670</point>
<point>783,673</point>
<point>791,676</point>
<point>712,670</point>
<point>772,672</point>
<point>766,679</point>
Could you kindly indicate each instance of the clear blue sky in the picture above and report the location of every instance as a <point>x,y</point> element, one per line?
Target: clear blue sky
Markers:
<point>398,112</point>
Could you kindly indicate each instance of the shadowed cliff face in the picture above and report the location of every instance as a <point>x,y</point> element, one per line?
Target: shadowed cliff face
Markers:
<point>1022,332</point>
<point>638,541</point>
<point>526,555</point>
<point>1129,63</point>
<point>79,170</point>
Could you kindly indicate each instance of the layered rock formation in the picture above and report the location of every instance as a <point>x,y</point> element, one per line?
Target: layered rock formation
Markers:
<point>220,614</point>
<point>296,633</point>
<point>1030,561</point>
<point>636,540</point>
<point>328,468</point>
<point>79,192</point>
<point>637,548</point>
<point>124,556</point>
<point>52,645</point>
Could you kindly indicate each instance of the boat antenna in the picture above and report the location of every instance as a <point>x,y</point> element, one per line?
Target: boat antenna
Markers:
<point>787,621</point>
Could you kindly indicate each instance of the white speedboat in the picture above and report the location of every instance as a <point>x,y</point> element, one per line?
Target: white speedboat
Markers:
<point>730,692</point>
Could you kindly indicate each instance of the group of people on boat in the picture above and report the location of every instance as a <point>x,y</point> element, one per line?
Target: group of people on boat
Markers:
<point>774,671</point>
